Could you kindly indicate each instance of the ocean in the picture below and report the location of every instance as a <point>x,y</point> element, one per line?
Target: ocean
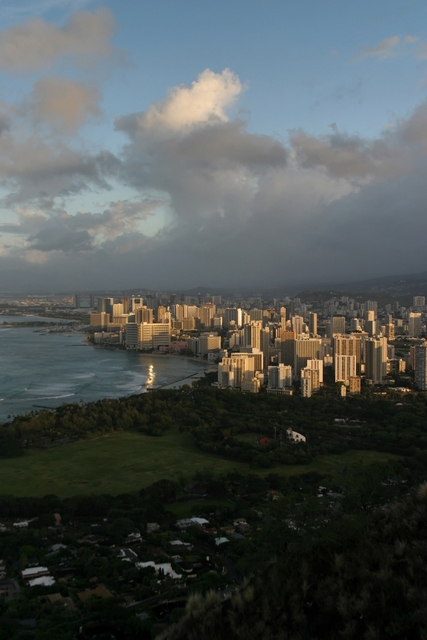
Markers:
<point>44,370</point>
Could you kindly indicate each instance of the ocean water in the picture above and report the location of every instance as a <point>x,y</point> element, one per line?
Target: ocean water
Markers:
<point>44,370</point>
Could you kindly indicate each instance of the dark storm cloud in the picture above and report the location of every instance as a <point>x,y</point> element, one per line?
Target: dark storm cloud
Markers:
<point>242,208</point>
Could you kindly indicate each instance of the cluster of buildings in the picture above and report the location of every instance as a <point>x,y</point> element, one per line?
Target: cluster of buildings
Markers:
<point>279,344</point>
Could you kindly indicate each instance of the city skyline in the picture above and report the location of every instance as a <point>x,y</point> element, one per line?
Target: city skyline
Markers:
<point>185,146</point>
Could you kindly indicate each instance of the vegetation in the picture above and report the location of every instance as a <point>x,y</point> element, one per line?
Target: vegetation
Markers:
<point>325,539</point>
<point>127,461</point>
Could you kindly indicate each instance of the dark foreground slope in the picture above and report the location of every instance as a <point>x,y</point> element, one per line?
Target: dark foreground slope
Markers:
<point>351,580</point>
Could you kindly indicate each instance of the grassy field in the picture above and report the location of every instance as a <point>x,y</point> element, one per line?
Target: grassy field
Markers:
<point>126,462</point>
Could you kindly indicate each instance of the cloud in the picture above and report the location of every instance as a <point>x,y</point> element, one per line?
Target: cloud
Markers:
<point>64,104</point>
<point>390,47</point>
<point>38,44</point>
<point>187,148</point>
<point>57,230</point>
<point>204,102</point>
<point>350,157</point>
<point>243,209</point>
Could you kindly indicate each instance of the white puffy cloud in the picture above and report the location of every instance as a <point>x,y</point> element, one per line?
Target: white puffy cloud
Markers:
<point>204,102</point>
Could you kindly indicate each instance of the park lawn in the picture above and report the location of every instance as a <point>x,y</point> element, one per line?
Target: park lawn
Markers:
<point>191,508</point>
<point>127,461</point>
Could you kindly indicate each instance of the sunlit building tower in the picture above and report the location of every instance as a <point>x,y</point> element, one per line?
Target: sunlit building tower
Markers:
<point>345,368</point>
<point>207,312</point>
<point>163,315</point>
<point>243,367</point>
<point>313,374</point>
<point>117,310</point>
<point>283,317</point>
<point>421,366</point>
<point>143,314</point>
<point>371,323</point>
<point>316,365</point>
<point>372,305</point>
<point>134,302</point>
<point>208,343</point>
<point>306,389</point>
<point>154,335</point>
<point>99,319</point>
<point>255,315</point>
<point>252,335</point>
<point>389,331</point>
<point>180,311</point>
<point>349,346</point>
<point>355,385</point>
<point>279,376</point>
<point>414,325</point>
<point>233,315</point>
<point>226,373</point>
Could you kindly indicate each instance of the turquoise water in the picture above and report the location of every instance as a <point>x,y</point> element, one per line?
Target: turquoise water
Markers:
<point>38,369</point>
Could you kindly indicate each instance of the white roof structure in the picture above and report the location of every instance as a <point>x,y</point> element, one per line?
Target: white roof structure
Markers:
<point>32,572</point>
<point>43,581</point>
<point>199,521</point>
<point>166,567</point>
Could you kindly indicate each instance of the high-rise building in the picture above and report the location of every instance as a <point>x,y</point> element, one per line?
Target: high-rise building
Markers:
<point>312,323</point>
<point>252,335</point>
<point>306,348</point>
<point>297,324</point>
<point>375,359</point>
<point>287,347</point>
<point>134,303</point>
<point>265,345</point>
<point>419,301</point>
<point>338,324</point>
<point>105,305</point>
<point>255,315</point>
<point>279,376</point>
<point>207,312</point>
<point>153,335</point>
<point>208,342</point>
<point>421,366</point>
<point>316,365</point>
<point>371,323</point>
<point>414,325</point>
<point>233,315</point>
<point>349,346</point>
<point>306,389</point>
<point>99,319</point>
<point>345,368</point>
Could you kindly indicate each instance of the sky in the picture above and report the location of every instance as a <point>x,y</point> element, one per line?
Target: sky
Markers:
<point>172,144</point>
